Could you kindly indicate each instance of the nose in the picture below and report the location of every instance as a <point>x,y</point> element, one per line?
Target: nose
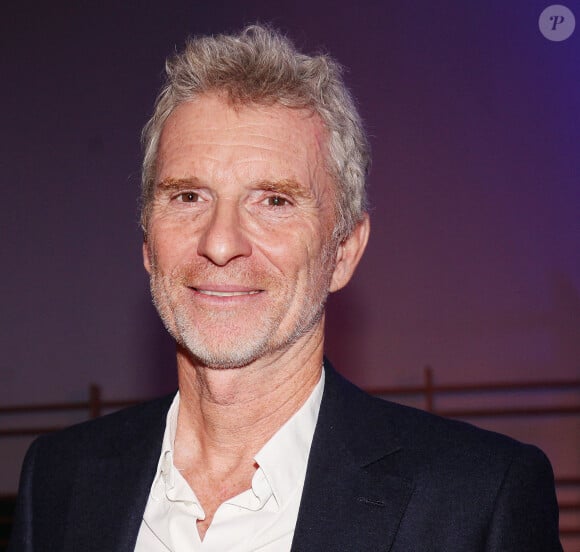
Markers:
<point>223,237</point>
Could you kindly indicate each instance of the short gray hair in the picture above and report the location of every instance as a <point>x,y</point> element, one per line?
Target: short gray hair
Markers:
<point>260,65</point>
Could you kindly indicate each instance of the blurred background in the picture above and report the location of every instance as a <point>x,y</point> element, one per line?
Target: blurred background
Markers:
<point>473,266</point>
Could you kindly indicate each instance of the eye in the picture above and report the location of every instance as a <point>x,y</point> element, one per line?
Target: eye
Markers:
<point>277,201</point>
<point>188,197</point>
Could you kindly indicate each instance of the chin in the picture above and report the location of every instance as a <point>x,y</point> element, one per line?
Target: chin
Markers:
<point>219,359</point>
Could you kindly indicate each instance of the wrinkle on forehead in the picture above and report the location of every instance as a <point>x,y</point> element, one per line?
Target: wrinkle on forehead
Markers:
<point>220,128</point>
<point>233,114</point>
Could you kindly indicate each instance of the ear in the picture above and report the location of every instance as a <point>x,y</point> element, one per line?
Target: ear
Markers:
<point>146,256</point>
<point>349,253</point>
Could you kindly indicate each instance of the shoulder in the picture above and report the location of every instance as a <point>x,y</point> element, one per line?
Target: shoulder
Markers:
<point>489,484</point>
<point>72,474</point>
<point>430,443</point>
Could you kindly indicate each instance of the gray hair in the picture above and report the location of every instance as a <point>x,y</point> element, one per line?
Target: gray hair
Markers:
<point>260,65</point>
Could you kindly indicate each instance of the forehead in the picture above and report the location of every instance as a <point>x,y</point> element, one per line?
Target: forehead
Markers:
<point>211,133</point>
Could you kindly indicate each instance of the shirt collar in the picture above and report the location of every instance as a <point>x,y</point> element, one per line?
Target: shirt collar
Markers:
<point>284,457</point>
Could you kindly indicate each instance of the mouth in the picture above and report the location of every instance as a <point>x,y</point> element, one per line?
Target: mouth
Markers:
<point>214,293</point>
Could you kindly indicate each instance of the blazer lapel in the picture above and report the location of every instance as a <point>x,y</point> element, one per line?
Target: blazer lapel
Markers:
<point>107,516</point>
<point>353,498</point>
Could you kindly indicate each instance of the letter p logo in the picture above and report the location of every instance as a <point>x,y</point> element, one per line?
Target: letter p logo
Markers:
<point>557,23</point>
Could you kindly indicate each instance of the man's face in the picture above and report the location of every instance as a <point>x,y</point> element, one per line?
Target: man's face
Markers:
<point>239,236</point>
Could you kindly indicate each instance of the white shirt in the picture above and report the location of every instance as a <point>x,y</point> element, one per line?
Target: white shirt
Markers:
<point>259,519</point>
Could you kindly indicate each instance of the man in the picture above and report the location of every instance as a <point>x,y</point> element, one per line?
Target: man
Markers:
<point>253,211</point>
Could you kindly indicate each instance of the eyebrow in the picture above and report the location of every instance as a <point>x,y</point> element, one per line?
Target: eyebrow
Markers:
<point>178,183</point>
<point>285,186</point>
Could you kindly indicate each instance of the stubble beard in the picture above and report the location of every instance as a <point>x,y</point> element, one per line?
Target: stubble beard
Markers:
<point>237,341</point>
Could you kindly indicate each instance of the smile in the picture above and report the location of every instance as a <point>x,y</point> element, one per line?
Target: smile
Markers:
<point>226,293</point>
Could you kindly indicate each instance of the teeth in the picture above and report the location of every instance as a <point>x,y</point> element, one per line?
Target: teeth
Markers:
<point>226,293</point>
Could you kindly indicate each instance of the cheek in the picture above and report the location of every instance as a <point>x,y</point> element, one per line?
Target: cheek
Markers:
<point>289,247</point>
<point>301,264</point>
<point>168,249</point>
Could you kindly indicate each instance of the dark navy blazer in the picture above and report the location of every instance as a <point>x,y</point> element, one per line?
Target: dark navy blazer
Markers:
<point>380,477</point>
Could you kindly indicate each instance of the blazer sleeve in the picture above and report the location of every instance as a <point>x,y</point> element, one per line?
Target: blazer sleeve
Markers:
<point>21,538</point>
<point>525,515</point>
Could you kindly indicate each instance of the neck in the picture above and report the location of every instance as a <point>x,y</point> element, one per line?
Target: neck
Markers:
<point>227,415</point>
